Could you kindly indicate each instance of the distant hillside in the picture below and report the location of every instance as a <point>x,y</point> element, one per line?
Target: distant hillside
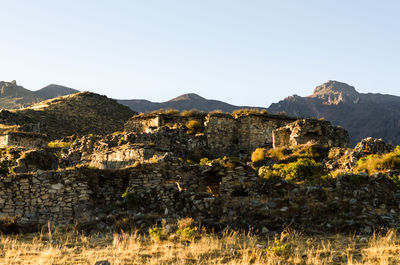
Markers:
<point>80,114</point>
<point>53,91</point>
<point>363,115</point>
<point>183,102</point>
<point>13,96</point>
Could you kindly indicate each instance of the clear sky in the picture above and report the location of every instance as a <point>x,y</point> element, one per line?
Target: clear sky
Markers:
<point>244,52</point>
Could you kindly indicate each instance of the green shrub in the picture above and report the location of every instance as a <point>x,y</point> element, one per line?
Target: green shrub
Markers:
<point>258,154</point>
<point>205,161</point>
<point>396,180</point>
<point>267,172</point>
<point>121,140</point>
<point>279,248</point>
<point>156,233</point>
<point>186,233</point>
<point>379,163</point>
<point>225,161</point>
<point>59,144</point>
<point>302,169</point>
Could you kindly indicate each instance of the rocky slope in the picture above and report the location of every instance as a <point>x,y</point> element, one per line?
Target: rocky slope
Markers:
<point>183,102</point>
<point>79,114</point>
<point>13,96</point>
<point>363,115</point>
<point>54,91</point>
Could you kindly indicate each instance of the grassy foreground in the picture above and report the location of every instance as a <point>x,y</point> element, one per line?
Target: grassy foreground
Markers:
<point>207,248</point>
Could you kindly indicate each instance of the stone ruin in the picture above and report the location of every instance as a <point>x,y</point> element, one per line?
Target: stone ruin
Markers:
<point>305,131</point>
<point>226,134</point>
<point>28,140</point>
<point>152,161</point>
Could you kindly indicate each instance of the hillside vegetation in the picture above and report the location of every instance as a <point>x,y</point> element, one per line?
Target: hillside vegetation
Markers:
<point>78,114</point>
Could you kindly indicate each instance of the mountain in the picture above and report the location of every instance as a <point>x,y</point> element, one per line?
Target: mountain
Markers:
<point>13,96</point>
<point>363,115</point>
<point>183,102</point>
<point>80,114</point>
<point>53,91</point>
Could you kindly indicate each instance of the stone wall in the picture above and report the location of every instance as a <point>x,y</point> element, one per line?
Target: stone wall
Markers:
<point>39,198</point>
<point>119,151</point>
<point>221,132</point>
<point>84,195</point>
<point>3,140</point>
<point>214,195</point>
<point>123,156</point>
<point>23,139</point>
<point>304,131</point>
<point>139,124</point>
<point>226,135</point>
<point>149,123</point>
<point>255,130</point>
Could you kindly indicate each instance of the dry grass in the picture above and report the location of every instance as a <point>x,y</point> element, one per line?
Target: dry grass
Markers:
<point>258,154</point>
<point>226,248</point>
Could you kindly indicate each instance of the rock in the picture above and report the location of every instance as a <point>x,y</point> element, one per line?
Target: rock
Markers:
<point>57,186</point>
<point>367,230</point>
<point>373,146</point>
<point>284,209</point>
<point>102,262</point>
<point>264,230</point>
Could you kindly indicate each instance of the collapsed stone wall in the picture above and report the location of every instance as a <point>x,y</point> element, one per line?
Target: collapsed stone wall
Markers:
<point>121,150</point>
<point>23,139</point>
<point>303,131</point>
<point>151,122</point>
<point>143,124</point>
<point>212,194</point>
<point>256,130</point>
<point>226,135</point>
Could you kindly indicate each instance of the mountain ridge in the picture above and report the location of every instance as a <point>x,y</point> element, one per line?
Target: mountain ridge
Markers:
<point>54,90</point>
<point>362,114</point>
<point>183,102</point>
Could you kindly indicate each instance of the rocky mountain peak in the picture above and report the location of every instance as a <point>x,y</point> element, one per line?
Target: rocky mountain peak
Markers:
<point>189,96</point>
<point>7,87</point>
<point>334,93</point>
<point>13,96</point>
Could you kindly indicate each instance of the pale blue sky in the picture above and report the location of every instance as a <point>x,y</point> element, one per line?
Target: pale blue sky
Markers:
<point>242,52</point>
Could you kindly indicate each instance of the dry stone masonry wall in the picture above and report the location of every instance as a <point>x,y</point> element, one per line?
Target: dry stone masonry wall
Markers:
<point>23,139</point>
<point>147,172</point>
<point>237,136</point>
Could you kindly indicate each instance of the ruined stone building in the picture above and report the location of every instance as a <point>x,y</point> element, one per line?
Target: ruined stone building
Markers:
<point>23,140</point>
<point>230,135</point>
<point>152,158</point>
